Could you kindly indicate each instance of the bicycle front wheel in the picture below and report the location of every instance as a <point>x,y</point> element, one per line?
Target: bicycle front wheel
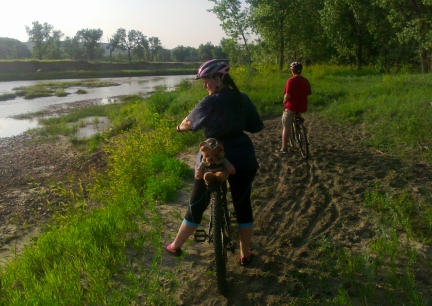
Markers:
<point>220,251</point>
<point>302,140</point>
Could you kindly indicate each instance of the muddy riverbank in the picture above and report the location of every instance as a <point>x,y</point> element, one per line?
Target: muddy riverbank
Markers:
<point>30,166</point>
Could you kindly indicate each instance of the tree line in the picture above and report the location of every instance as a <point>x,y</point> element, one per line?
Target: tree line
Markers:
<point>389,34</point>
<point>51,44</point>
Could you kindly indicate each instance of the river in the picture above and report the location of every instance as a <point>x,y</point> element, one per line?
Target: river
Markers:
<point>10,126</point>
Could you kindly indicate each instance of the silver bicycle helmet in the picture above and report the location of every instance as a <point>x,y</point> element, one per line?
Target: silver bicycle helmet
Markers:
<point>211,67</point>
<point>297,67</point>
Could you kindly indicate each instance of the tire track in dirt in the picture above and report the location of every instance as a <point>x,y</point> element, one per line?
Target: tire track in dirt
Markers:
<point>301,206</point>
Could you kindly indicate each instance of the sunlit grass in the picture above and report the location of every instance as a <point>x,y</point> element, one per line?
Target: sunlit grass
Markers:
<point>395,110</point>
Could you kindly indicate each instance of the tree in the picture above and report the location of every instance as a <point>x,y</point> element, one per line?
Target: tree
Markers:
<point>218,52</point>
<point>54,50</point>
<point>145,45</point>
<point>413,23</point>
<point>235,21</point>
<point>179,53</point>
<point>273,22</point>
<point>164,55</point>
<point>230,48</point>
<point>386,51</point>
<point>142,51</point>
<point>113,45</point>
<point>155,48</point>
<point>129,41</point>
<point>345,23</point>
<point>205,52</point>
<point>289,30</point>
<point>40,35</point>
<point>71,46</point>
<point>90,38</point>
<point>13,49</point>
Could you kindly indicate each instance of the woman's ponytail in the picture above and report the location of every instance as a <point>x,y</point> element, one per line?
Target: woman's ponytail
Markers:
<point>227,80</point>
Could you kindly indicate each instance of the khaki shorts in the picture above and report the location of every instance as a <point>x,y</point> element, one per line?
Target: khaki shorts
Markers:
<point>288,118</point>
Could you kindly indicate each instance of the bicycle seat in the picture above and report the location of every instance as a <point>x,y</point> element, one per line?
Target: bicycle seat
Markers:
<point>300,119</point>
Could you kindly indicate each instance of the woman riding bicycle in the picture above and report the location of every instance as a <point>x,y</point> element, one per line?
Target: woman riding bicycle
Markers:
<point>296,91</point>
<point>224,114</point>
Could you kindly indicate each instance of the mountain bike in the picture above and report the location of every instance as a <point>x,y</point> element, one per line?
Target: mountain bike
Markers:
<point>219,228</point>
<point>298,136</point>
<point>219,231</point>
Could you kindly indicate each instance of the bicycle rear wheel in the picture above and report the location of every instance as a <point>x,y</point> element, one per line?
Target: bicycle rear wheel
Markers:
<point>226,237</point>
<point>220,250</point>
<point>302,140</point>
<point>292,142</point>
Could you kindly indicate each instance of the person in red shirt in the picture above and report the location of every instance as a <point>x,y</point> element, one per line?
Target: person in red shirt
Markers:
<point>297,89</point>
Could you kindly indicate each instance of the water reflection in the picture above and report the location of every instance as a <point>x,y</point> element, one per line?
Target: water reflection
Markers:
<point>10,127</point>
<point>93,125</point>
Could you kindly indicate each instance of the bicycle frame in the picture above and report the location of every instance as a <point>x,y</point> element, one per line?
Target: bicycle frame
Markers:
<point>298,136</point>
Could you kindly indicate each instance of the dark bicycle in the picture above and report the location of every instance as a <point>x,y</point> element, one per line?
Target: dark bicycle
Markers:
<point>219,231</point>
<point>219,228</point>
<point>298,136</point>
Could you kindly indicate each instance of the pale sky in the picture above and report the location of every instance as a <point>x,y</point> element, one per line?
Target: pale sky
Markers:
<point>174,22</point>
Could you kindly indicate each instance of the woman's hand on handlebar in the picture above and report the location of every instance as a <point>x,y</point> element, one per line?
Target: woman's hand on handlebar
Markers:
<point>184,126</point>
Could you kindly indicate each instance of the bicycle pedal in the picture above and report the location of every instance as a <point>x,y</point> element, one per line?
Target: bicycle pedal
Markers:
<point>200,235</point>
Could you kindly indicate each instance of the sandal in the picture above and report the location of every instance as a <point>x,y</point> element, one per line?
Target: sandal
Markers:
<point>175,252</point>
<point>245,261</point>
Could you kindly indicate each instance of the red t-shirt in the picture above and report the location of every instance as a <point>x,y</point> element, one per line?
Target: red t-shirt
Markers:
<point>299,88</point>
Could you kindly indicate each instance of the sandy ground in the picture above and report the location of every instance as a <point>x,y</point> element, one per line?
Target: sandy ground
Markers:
<point>296,204</point>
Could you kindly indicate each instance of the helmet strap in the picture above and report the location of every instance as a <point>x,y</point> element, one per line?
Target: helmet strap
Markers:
<point>217,85</point>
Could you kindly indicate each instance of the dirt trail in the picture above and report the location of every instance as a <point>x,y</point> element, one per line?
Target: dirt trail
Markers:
<point>296,204</point>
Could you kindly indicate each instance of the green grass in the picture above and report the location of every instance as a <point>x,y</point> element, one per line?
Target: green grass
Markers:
<point>68,125</point>
<point>5,97</point>
<point>48,89</point>
<point>402,212</point>
<point>394,110</point>
<point>84,255</point>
